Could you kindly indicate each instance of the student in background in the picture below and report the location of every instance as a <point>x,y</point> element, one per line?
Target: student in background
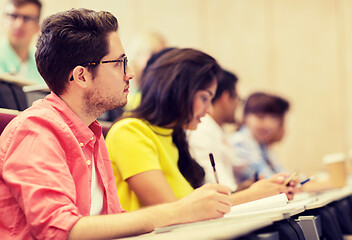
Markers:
<point>21,21</point>
<point>210,137</point>
<point>263,125</point>
<point>142,47</point>
<point>149,150</point>
<point>55,172</point>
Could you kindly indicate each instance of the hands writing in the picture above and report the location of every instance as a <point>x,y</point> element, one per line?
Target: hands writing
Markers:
<point>207,202</point>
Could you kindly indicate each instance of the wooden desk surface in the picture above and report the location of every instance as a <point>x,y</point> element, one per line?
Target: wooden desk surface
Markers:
<point>223,228</point>
<point>242,224</point>
<point>324,198</point>
<point>9,111</point>
<point>15,80</point>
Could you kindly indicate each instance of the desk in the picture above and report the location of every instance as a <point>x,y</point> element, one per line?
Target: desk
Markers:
<point>245,223</point>
<point>329,196</point>
<point>12,95</point>
<point>223,228</point>
<point>15,80</point>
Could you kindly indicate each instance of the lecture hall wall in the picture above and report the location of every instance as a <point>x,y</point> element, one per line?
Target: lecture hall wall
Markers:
<point>300,49</point>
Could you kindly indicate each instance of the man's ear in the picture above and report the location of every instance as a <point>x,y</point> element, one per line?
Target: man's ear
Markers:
<point>80,75</point>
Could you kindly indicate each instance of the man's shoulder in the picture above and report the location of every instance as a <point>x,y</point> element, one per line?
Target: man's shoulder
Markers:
<point>39,115</point>
<point>5,49</point>
<point>35,123</point>
<point>4,43</point>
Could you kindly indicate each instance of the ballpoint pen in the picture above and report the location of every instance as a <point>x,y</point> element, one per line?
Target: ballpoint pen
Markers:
<point>211,157</point>
<point>307,180</point>
<point>256,176</point>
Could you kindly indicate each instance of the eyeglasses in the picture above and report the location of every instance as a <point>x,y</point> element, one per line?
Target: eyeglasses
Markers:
<point>25,18</point>
<point>124,60</point>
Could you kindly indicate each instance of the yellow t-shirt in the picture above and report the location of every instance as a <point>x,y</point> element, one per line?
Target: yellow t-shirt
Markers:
<point>136,146</point>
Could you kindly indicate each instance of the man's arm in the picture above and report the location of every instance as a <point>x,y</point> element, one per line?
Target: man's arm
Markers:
<point>207,202</point>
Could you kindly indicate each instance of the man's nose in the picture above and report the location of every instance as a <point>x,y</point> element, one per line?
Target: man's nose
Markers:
<point>129,74</point>
<point>19,21</point>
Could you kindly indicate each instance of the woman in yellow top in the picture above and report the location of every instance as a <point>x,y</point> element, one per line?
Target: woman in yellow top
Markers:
<point>149,149</point>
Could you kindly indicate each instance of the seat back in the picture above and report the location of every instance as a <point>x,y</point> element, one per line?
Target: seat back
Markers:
<point>12,96</point>
<point>6,115</point>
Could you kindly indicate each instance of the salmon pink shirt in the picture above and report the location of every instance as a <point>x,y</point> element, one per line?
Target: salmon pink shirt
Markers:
<point>46,172</point>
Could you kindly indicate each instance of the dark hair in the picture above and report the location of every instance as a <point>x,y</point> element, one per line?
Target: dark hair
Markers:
<point>260,102</point>
<point>227,82</point>
<point>19,3</point>
<point>69,39</point>
<point>168,87</point>
<point>153,58</point>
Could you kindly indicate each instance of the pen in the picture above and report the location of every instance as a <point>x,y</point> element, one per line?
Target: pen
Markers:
<point>256,176</point>
<point>289,179</point>
<point>211,157</point>
<point>305,181</point>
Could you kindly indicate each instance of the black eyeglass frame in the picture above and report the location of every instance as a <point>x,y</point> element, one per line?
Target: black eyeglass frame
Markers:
<point>26,18</point>
<point>124,60</point>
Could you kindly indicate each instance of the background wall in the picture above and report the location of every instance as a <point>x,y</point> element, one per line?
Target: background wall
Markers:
<point>300,49</point>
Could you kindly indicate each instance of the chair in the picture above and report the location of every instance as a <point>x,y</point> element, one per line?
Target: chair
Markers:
<point>6,115</point>
<point>12,96</point>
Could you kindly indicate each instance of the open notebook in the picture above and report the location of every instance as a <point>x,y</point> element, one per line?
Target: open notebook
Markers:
<point>276,201</point>
<point>269,206</point>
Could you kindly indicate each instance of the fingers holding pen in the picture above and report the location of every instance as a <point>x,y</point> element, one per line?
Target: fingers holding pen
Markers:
<point>289,183</point>
<point>220,194</point>
<point>207,202</point>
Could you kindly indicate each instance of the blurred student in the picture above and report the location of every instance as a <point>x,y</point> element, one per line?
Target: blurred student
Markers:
<point>55,172</point>
<point>263,125</point>
<point>21,22</point>
<point>210,137</point>
<point>149,150</point>
<point>142,47</point>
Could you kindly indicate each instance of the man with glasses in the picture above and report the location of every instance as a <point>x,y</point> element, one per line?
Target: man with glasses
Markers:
<point>21,22</point>
<point>56,179</point>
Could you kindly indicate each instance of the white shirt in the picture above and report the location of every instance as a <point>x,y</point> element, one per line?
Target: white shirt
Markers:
<point>210,138</point>
<point>96,205</point>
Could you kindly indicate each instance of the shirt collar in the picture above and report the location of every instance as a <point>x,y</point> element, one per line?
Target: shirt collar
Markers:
<point>248,135</point>
<point>83,133</point>
<point>209,121</point>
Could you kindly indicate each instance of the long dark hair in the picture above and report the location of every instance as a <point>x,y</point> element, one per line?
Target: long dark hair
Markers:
<point>168,87</point>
